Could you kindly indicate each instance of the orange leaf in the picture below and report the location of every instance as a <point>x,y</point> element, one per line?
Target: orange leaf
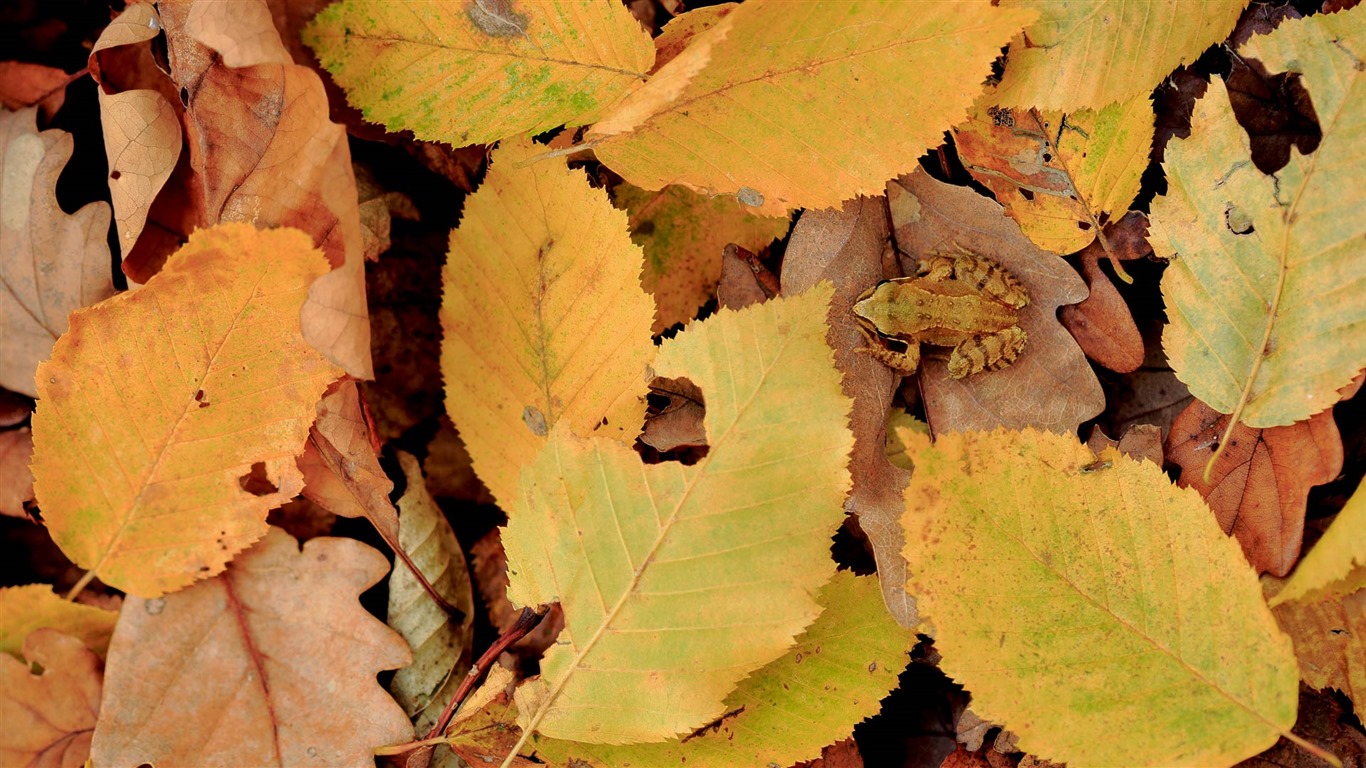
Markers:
<point>341,471</point>
<point>32,85</point>
<point>272,663</point>
<point>49,715</point>
<point>157,402</point>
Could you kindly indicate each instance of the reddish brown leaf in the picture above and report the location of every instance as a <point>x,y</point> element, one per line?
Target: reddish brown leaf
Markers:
<point>341,471</point>
<point>490,570</point>
<point>1102,323</point>
<point>449,470</point>
<point>679,424</point>
<point>28,85</point>
<point>744,279</point>
<point>841,754</point>
<point>49,714</point>
<point>16,479</point>
<point>964,758</point>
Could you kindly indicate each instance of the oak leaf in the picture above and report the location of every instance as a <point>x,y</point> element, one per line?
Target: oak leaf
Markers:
<point>50,714</point>
<point>1336,565</point>
<point>683,234</point>
<point>30,607</point>
<point>756,121</point>
<point>1115,579</point>
<point>285,627</point>
<point>475,72</point>
<point>51,263</point>
<point>544,318</point>
<point>222,379</point>
<point>1079,55</point>
<point>1261,292</point>
<point>638,555</point>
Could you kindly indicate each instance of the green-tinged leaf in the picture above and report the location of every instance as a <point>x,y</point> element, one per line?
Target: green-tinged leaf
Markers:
<point>441,647</point>
<point>1263,293</point>
<point>1090,53</point>
<point>1091,607</point>
<point>683,234</point>
<point>475,71</point>
<point>808,104</point>
<point>34,606</point>
<point>1336,565</point>
<point>1061,176</point>
<point>544,317</point>
<point>678,581</point>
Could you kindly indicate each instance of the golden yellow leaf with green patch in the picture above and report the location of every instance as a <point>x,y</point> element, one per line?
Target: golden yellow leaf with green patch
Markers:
<point>808,105</point>
<point>1336,566</point>
<point>165,398</point>
<point>545,321</point>
<point>1092,607</point>
<point>678,581</point>
<point>34,606</point>
<point>1061,176</point>
<point>1082,54</point>
<point>1264,290</point>
<point>1330,640</point>
<point>475,71</point>
<point>683,234</point>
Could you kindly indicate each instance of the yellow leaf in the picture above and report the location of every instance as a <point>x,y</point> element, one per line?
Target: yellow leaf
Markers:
<point>1263,293</point>
<point>677,581</point>
<point>33,606</point>
<point>1061,176</point>
<point>157,403</point>
<point>1330,641</point>
<point>808,105</point>
<point>1083,54</point>
<point>1337,560</point>
<point>51,263</point>
<point>1095,610</point>
<point>473,72</point>
<point>683,234</point>
<point>544,318</point>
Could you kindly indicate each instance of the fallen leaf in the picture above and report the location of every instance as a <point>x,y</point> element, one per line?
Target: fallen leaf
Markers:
<point>16,479</point>
<point>1260,482</point>
<point>744,279</point>
<point>285,627</point>
<point>23,84</point>
<point>841,754</point>
<point>340,469</point>
<point>378,208</point>
<point>1109,569</point>
<point>30,607</point>
<point>449,469</point>
<point>1324,720</point>
<point>683,234</point>
<point>744,124</point>
<point>159,501</point>
<point>544,318</point>
<point>1276,111</point>
<point>1334,567</point>
<point>50,714</point>
<point>652,545</point>
<point>1101,323</point>
<point>1261,291</point>
<point>1051,386</point>
<point>476,72</point>
<point>51,263</point>
<point>1330,641</point>
<point>1062,176</point>
<point>440,642</point>
<point>1089,55</point>
<point>1142,441</point>
<point>846,247</point>
<point>675,37</point>
<point>141,128</point>
<point>679,424</point>
<point>491,576</point>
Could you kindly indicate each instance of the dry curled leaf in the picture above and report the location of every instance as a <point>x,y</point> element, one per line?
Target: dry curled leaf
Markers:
<point>49,711</point>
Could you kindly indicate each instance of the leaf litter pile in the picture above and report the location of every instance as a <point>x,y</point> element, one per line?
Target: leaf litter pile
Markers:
<point>966,383</point>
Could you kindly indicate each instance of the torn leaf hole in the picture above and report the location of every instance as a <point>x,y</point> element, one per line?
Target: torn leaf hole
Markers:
<point>257,482</point>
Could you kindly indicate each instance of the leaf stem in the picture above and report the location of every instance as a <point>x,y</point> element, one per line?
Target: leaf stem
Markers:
<point>1312,748</point>
<point>81,584</point>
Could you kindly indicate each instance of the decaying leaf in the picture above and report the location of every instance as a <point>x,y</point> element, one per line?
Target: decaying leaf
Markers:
<point>16,479</point>
<point>846,247</point>
<point>1054,583</point>
<point>1330,641</point>
<point>544,318</point>
<point>440,642</point>
<point>35,606</point>
<point>1062,176</point>
<point>851,655</point>
<point>286,626</point>
<point>341,471</point>
<point>743,125</point>
<point>1102,323</point>
<point>639,555</point>
<point>23,84</point>
<point>49,712</point>
<point>683,234</point>
<point>1051,386</point>
<point>679,424</point>
<point>1078,55</point>
<point>1259,484</point>
<point>473,72</point>
<point>1337,563</point>
<point>1263,289</point>
<point>51,263</point>
<point>166,397</point>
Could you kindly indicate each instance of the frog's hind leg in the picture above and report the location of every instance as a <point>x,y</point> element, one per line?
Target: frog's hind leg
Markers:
<point>936,267</point>
<point>904,363</point>
<point>986,353</point>
<point>990,278</point>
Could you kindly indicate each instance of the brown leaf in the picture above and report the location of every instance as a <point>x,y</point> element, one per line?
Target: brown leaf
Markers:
<point>1050,386</point>
<point>16,479</point>
<point>1141,441</point>
<point>744,279</point>
<point>845,247</point>
<point>841,754</point>
<point>51,263</point>
<point>28,85</point>
<point>449,470</point>
<point>50,714</point>
<point>271,663</point>
<point>341,471</point>
<point>963,757</point>
<point>1102,323</point>
<point>377,209</point>
<point>490,569</point>
<point>679,424</point>
<point>1259,485</point>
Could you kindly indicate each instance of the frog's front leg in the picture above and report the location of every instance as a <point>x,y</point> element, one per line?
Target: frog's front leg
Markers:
<point>990,352</point>
<point>904,363</point>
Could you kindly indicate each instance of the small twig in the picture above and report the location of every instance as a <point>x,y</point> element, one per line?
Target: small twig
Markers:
<point>524,624</point>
